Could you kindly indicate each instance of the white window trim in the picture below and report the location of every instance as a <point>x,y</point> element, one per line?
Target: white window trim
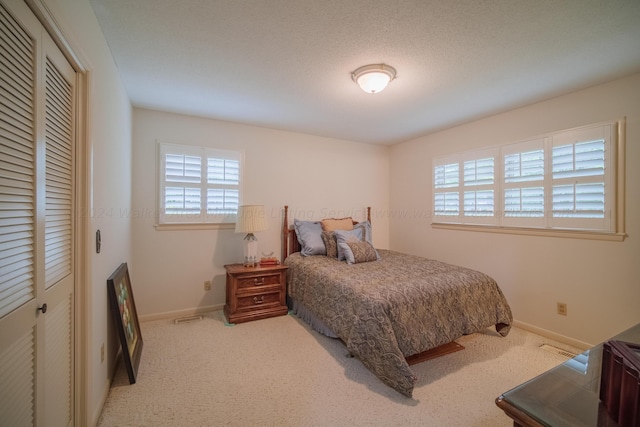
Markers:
<point>203,221</point>
<point>616,202</point>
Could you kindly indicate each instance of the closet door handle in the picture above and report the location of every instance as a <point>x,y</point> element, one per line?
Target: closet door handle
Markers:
<point>43,308</point>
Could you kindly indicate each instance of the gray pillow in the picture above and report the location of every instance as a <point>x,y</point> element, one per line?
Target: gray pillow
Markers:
<point>361,231</point>
<point>310,237</point>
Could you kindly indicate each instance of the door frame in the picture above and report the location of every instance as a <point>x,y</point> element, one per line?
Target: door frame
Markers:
<point>82,321</point>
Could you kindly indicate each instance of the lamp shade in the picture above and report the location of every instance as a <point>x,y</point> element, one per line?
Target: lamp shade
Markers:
<point>250,219</point>
<point>373,78</point>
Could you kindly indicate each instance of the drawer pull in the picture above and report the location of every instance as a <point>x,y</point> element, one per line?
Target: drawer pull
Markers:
<point>257,300</point>
<point>258,282</point>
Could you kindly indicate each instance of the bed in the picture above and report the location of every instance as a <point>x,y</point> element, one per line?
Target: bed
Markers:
<point>388,308</point>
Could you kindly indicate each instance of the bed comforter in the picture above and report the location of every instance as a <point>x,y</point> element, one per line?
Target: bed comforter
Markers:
<point>398,306</point>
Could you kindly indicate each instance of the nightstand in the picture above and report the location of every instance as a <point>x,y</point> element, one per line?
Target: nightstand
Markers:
<point>255,292</point>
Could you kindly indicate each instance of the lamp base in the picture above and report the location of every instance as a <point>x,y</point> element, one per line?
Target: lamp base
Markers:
<point>249,263</point>
<point>250,251</point>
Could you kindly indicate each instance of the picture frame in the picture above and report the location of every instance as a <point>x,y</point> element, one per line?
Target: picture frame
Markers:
<point>124,312</point>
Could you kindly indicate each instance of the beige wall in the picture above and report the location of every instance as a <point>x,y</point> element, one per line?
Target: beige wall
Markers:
<point>599,280</point>
<point>317,177</point>
<point>109,149</point>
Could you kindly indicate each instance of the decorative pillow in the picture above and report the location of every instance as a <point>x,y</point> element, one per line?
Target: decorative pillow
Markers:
<point>360,233</point>
<point>329,239</point>
<point>310,237</point>
<point>332,224</point>
<point>356,252</point>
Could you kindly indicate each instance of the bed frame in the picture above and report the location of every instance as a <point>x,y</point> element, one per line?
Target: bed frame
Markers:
<point>290,242</point>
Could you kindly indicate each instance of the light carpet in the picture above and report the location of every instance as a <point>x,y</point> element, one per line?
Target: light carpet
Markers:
<point>278,371</point>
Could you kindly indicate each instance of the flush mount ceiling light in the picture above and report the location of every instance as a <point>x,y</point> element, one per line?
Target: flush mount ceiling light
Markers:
<point>374,78</point>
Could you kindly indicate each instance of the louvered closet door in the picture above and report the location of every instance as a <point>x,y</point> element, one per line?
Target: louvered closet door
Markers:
<point>56,257</point>
<point>36,224</point>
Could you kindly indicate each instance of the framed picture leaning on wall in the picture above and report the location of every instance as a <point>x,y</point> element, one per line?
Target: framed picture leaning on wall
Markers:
<point>125,315</point>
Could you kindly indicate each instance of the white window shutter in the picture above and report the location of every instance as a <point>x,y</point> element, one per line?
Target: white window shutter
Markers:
<point>479,172</point>
<point>198,184</point>
<point>563,181</point>
<point>581,178</point>
<point>447,203</point>
<point>446,195</point>
<point>183,168</point>
<point>524,184</point>
<point>479,195</point>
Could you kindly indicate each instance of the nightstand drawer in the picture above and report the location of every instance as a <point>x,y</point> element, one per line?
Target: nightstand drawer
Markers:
<point>262,280</point>
<point>258,301</point>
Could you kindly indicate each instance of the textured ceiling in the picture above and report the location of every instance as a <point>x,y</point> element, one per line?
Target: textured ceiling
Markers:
<point>286,64</point>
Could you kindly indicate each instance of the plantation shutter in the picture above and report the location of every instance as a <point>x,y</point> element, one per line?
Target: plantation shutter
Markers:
<point>446,189</point>
<point>478,177</point>
<point>463,187</point>
<point>223,177</point>
<point>524,183</point>
<point>581,178</point>
<point>182,177</point>
<point>198,184</point>
<point>17,157</point>
<point>571,180</point>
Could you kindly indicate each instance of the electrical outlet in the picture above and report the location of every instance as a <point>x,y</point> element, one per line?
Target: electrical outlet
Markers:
<point>562,309</point>
<point>207,285</point>
<point>102,353</point>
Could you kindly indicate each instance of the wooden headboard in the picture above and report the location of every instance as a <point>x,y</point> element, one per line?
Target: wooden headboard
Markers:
<point>290,242</point>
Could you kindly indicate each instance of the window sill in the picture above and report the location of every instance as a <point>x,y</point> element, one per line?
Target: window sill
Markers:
<point>571,234</point>
<point>196,226</point>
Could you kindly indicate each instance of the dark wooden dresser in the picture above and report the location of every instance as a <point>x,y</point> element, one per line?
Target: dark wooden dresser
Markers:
<point>255,292</point>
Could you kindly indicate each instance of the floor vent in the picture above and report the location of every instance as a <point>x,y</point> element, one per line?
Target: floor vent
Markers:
<point>557,350</point>
<point>189,319</point>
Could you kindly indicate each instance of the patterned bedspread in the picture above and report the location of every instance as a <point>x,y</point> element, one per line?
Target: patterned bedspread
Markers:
<point>396,307</point>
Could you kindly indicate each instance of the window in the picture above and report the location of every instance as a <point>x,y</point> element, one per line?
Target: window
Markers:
<point>564,181</point>
<point>464,187</point>
<point>198,184</point>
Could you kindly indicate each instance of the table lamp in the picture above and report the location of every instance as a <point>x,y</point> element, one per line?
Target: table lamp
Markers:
<point>250,220</point>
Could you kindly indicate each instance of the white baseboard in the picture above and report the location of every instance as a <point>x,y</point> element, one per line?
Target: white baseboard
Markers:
<point>105,393</point>
<point>522,325</point>
<point>181,313</point>
<point>107,387</point>
<point>552,335</point>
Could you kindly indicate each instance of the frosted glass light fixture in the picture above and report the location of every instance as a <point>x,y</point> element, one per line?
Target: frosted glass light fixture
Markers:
<point>250,220</point>
<point>374,78</point>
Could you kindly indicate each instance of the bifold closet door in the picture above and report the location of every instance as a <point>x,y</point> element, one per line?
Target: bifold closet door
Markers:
<point>37,136</point>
